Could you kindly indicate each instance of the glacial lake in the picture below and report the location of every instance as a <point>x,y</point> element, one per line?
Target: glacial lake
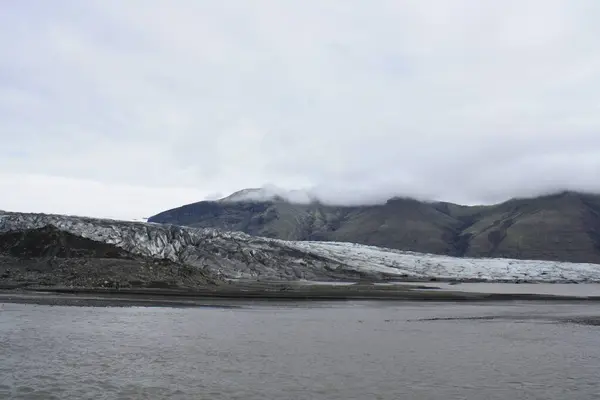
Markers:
<point>302,350</point>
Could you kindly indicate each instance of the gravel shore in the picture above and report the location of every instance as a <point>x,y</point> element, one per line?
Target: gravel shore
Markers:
<point>227,295</point>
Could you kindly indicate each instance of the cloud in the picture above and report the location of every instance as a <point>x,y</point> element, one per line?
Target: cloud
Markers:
<point>131,108</point>
<point>46,194</point>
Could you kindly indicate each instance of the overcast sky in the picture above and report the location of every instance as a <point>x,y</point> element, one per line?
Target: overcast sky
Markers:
<point>126,108</point>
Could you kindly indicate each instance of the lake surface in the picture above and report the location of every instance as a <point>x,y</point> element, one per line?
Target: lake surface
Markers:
<point>310,350</point>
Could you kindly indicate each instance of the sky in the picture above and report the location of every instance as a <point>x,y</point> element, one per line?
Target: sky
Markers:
<point>123,109</point>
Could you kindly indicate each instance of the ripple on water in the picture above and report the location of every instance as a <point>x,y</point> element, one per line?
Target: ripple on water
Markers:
<point>353,350</point>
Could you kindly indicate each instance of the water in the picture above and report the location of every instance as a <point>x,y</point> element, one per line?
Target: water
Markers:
<point>350,350</point>
<point>555,289</point>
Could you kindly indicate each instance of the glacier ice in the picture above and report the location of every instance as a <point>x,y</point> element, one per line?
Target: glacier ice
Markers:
<point>240,256</point>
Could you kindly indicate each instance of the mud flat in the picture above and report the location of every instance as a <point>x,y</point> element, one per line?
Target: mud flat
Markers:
<point>239,294</point>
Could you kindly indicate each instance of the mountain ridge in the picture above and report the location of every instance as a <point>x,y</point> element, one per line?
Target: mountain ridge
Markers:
<point>563,226</point>
<point>67,251</point>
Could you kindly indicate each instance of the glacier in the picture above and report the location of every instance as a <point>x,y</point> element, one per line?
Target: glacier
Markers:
<point>235,255</point>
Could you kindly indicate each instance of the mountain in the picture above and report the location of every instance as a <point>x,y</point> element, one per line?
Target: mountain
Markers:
<point>59,250</point>
<point>559,227</point>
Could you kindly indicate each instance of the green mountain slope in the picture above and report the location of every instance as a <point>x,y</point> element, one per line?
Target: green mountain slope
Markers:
<point>564,226</point>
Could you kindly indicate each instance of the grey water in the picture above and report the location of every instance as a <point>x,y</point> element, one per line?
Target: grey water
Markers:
<point>346,350</point>
<point>555,289</point>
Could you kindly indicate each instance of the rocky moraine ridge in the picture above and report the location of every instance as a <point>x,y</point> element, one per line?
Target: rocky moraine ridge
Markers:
<point>75,251</point>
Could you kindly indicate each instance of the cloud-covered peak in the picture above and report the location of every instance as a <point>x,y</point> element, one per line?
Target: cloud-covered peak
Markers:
<point>270,193</point>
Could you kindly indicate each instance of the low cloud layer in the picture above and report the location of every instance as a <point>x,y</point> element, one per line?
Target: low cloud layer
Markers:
<point>125,109</point>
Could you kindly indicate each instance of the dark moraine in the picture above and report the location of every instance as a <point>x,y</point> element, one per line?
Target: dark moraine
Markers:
<point>302,350</point>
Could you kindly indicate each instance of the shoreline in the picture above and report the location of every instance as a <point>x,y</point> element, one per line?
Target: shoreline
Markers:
<point>214,296</point>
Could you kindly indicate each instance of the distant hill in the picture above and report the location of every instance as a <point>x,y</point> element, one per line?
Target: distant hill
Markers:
<point>563,226</point>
